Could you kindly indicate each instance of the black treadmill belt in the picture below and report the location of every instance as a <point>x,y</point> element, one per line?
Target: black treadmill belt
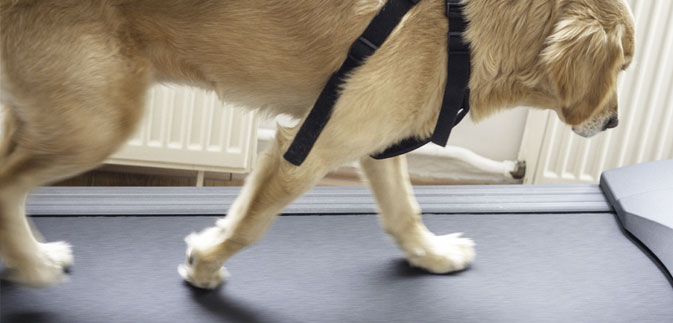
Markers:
<point>529,268</point>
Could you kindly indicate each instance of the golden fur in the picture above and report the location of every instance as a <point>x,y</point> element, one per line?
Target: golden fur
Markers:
<point>74,74</point>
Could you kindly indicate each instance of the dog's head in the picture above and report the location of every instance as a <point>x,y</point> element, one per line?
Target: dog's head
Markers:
<point>591,43</point>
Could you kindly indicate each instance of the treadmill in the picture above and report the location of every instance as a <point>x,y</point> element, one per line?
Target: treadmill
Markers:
<point>545,253</point>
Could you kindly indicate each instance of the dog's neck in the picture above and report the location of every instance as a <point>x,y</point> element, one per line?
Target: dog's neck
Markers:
<point>505,58</point>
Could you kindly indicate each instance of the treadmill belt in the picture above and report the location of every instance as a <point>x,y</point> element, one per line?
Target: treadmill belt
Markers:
<point>529,268</point>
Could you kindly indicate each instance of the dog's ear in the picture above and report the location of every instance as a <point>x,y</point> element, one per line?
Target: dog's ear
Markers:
<point>581,60</point>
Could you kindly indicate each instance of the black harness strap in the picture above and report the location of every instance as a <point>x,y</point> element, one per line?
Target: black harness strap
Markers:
<point>456,101</point>
<point>371,39</point>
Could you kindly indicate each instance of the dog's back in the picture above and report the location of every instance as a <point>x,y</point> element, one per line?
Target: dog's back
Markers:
<point>257,53</point>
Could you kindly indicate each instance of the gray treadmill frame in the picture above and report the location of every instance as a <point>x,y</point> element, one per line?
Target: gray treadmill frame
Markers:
<point>470,199</point>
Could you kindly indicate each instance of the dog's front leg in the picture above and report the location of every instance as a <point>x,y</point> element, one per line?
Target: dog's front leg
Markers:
<point>273,184</point>
<point>400,217</point>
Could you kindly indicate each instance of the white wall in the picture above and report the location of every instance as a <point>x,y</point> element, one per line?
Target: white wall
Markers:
<point>497,137</point>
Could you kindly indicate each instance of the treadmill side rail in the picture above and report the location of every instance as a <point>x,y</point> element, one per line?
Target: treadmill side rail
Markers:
<point>642,195</point>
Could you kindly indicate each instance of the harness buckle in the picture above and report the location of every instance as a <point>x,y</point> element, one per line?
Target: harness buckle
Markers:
<point>361,49</point>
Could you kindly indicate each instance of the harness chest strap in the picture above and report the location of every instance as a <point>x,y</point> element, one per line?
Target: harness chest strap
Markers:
<point>455,103</point>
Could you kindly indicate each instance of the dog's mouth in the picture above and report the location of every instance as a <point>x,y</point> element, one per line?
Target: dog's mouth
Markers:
<point>596,126</point>
<point>584,133</point>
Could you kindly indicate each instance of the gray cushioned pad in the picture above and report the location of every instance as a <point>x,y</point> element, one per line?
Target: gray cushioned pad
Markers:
<point>529,268</point>
<point>642,195</point>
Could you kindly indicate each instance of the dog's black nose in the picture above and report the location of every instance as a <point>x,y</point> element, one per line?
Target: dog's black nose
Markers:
<point>612,123</point>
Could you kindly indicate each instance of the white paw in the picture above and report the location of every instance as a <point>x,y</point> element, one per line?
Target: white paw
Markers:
<point>59,253</point>
<point>441,254</point>
<point>45,269</point>
<point>207,281</point>
<point>199,270</point>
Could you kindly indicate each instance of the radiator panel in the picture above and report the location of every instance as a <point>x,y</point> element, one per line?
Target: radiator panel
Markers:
<point>190,128</point>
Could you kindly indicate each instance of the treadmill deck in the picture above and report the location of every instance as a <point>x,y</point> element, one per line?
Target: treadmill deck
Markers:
<point>529,268</point>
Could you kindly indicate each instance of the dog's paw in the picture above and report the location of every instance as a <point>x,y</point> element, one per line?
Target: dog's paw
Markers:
<point>442,254</point>
<point>201,279</point>
<point>200,270</point>
<point>47,268</point>
<point>58,253</point>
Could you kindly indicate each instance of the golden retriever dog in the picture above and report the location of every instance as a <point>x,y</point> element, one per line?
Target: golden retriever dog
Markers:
<point>74,75</point>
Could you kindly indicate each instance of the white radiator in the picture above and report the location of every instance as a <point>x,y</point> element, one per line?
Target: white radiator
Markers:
<point>556,155</point>
<point>188,128</point>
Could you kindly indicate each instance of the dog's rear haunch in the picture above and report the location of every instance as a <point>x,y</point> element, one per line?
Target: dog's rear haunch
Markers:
<point>74,74</point>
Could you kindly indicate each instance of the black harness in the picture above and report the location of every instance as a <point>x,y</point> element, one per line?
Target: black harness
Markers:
<point>455,103</point>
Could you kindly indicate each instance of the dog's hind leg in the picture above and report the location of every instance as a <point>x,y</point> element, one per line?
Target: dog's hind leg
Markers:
<point>37,161</point>
<point>27,260</point>
<point>44,154</point>
<point>75,93</point>
<point>8,127</point>
<point>60,132</point>
<point>400,216</point>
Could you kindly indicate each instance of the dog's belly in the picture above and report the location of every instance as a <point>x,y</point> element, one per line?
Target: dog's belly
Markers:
<point>271,55</point>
